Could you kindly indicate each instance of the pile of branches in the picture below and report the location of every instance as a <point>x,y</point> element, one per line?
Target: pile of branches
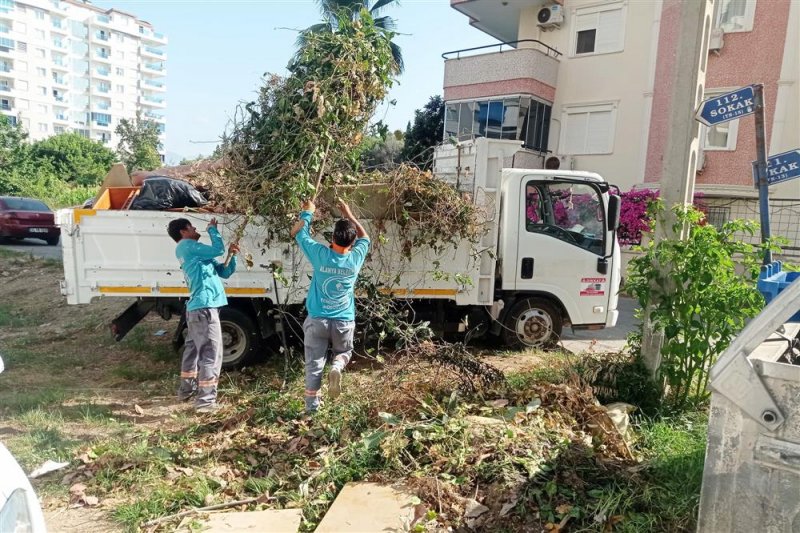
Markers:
<point>306,126</point>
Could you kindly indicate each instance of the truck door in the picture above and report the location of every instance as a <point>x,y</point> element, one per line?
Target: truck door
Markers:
<point>559,244</point>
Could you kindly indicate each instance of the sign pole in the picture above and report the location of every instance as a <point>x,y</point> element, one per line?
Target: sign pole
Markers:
<point>761,169</point>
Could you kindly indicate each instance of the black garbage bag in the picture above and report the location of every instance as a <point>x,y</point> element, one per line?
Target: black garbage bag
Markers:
<point>159,193</point>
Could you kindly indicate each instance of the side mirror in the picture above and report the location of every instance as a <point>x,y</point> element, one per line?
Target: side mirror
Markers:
<point>614,203</point>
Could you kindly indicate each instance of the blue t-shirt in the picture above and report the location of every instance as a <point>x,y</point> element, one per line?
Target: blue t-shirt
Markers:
<point>331,294</point>
<point>202,271</point>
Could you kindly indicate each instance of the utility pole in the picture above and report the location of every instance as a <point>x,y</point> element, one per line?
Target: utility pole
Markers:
<point>687,65</point>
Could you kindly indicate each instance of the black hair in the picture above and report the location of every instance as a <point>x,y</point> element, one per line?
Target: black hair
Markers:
<point>176,226</point>
<point>344,233</point>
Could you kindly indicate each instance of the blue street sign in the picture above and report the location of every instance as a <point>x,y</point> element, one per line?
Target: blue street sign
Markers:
<point>781,167</point>
<point>727,107</point>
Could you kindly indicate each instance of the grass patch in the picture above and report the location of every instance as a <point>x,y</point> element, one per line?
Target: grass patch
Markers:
<point>12,317</point>
<point>136,372</point>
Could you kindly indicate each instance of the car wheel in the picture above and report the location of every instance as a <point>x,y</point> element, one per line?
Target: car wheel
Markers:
<point>52,241</point>
<point>532,322</point>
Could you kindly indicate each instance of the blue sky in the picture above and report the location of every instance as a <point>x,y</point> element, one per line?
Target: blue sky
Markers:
<point>218,51</point>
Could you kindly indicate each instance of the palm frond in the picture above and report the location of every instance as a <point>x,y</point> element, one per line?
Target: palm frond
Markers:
<point>380,4</point>
<point>386,23</point>
<point>302,37</point>
<point>397,54</point>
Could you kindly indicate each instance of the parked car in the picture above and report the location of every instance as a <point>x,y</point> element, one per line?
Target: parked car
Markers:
<point>23,218</point>
<point>20,511</point>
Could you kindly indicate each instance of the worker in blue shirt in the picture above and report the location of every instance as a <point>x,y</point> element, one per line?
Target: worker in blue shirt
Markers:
<point>202,354</point>
<point>331,298</point>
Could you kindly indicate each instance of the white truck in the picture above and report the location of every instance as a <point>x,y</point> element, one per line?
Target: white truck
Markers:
<point>549,258</point>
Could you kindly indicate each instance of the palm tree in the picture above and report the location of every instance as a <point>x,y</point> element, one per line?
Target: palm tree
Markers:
<point>332,9</point>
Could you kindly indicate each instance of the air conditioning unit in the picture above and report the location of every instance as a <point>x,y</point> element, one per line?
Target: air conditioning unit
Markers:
<point>559,162</point>
<point>715,41</point>
<point>551,16</point>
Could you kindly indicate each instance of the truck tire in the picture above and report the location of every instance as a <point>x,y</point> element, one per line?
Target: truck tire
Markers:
<point>240,338</point>
<point>533,323</point>
<point>52,241</point>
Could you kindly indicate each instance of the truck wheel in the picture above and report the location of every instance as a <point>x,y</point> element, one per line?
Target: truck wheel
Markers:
<point>532,322</point>
<point>239,337</point>
<point>52,241</point>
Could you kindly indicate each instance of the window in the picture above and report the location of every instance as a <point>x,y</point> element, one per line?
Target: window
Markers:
<point>39,34</point>
<point>718,216</point>
<point>120,55</point>
<point>41,72</point>
<point>570,212</point>
<point>42,127</point>
<point>5,104</point>
<point>736,15</point>
<point>58,130</point>
<point>22,47</point>
<point>120,72</point>
<point>39,14</point>
<point>599,30</point>
<point>518,118</point>
<point>120,89</point>
<point>43,90</point>
<point>41,53</point>
<point>588,129</point>
<point>720,137</point>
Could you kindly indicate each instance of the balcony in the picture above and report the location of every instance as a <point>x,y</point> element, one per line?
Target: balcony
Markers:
<point>58,43</point>
<point>103,19</point>
<point>5,88</point>
<point>5,106</point>
<point>59,64</point>
<point>5,67</point>
<point>5,28</point>
<point>500,21</point>
<point>152,36</point>
<point>156,69</point>
<point>103,105</point>
<point>101,90</point>
<point>59,80</point>
<point>6,6</point>
<point>150,51</point>
<point>531,68</point>
<point>154,116</point>
<point>101,36</point>
<point>153,85</point>
<point>103,72</point>
<point>61,117</point>
<point>153,101</point>
<point>102,56</point>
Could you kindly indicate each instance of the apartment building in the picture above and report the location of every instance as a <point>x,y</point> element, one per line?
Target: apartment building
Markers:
<point>67,65</point>
<point>584,82</point>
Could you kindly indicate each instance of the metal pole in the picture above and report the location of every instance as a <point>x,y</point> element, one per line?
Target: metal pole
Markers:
<point>761,169</point>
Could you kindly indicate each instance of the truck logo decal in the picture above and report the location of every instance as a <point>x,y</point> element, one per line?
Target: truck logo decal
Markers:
<point>593,286</point>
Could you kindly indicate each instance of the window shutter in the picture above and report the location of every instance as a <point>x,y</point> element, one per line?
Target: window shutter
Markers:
<point>598,131</point>
<point>576,126</point>
<point>610,31</point>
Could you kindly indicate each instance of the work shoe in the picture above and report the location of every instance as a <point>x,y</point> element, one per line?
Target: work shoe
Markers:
<point>210,408</point>
<point>186,396</point>
<point>334,382</point>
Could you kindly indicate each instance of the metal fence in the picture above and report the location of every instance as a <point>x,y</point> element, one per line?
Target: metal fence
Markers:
<point>784,218</point>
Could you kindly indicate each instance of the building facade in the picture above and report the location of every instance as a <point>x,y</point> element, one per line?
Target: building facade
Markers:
<point>67,65</point>
<point>585,80</point>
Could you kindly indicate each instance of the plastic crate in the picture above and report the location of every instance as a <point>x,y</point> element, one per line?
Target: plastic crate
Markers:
<point>772,280</point>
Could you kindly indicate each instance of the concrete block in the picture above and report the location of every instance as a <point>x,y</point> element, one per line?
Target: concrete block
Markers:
<point>368,508</point>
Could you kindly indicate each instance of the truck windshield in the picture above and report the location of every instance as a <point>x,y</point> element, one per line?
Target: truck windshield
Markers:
<point>571,212</point>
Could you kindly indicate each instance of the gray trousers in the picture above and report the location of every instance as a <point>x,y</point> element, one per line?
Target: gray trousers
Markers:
<point>202,356</point>
<point>318,334</point>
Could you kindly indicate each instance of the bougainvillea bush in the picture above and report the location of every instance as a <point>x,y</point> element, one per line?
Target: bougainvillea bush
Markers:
<point>633,218</point>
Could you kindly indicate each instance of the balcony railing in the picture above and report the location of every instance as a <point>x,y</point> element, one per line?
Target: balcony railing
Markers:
<point>59,80</point>
<point>153,83</point>
<point>105,19</point>
<point>6,6</point>
<point>5,68</point>
<point>58,62</point>
<point>5,88</point>
<point>103,105</point>
<point>101,35</point>
<point>103,71</point>
<point>103,55</point>
<point>155,99</point>
<point>62,117</point>
<point>158,35</point>
<point>5,107</point>
<point>529,69</point>
<point>152,50</point>
<point>154,116</point>
<point>154,66</point>
<point>4,28</point>
<point>102,89</point>
<point>59,98</point>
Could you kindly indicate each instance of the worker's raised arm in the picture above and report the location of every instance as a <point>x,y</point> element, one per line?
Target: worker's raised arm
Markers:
<point>204,251</point>
<point>361,233</point>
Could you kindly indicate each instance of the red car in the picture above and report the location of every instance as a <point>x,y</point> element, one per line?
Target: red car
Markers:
<point>22,218</point>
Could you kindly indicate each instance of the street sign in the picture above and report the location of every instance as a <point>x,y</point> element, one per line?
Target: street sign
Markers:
<point>781,167</point>
<point>727,107</point>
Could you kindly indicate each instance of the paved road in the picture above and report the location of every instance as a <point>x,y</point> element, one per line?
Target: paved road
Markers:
<point>35,247</point>
<point>609,339</point>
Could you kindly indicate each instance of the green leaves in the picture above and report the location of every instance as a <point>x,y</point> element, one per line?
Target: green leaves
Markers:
<point>696,297</point>
<point>139,143</point>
